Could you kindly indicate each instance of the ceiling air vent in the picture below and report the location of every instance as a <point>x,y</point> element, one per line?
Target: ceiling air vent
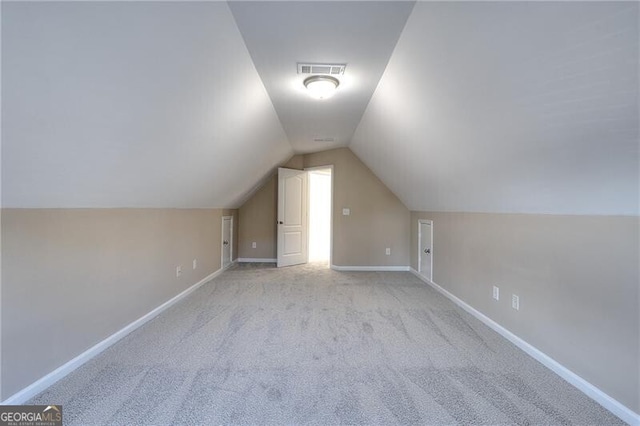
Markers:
<point>331,69</point>
<point>324,139</point>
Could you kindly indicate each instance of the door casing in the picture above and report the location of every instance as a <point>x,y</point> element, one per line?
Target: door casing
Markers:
<point>328,167</point>
<point>420,247</point>
<point>222,245</point>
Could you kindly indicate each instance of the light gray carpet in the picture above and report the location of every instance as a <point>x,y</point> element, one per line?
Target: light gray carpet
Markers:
<point>307,345</point>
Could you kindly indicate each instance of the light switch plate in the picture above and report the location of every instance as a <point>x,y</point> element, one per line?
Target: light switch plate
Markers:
<point>346,212</point>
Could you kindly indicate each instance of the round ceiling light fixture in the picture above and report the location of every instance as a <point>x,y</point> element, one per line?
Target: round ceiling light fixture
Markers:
<point>321,86</point>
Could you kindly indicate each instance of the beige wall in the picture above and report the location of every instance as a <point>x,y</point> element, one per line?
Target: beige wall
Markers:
<point>577,278</point>
<point>295,162</point>
<point>378,219</point>
<point>72,277</point>
<point>257,217</point>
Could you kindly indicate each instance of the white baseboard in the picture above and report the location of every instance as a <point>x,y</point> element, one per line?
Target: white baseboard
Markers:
<point>581,384</point>
<point>371,268</point>
<point>41,384</point>
<point>255,260</point>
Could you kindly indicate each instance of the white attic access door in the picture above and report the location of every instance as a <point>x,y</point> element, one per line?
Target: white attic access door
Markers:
<point>292,219</point>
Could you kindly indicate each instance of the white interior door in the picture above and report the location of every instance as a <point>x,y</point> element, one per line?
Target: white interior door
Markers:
<point>425,259</point>
<point>227,240</point>
<point>292,217</point>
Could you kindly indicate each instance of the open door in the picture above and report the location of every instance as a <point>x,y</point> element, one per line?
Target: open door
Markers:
<point>292,217</point>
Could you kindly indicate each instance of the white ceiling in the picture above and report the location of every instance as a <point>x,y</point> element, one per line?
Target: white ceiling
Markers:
<point>483,106</point>
<point>360,34</point>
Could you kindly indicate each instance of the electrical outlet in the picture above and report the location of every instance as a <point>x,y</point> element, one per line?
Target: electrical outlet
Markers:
<point>387,251</point>
<point>253,245</point>
<point>515,302</point>
<point>346,212</point>
<point>496,292</point>
<point>178,271</point>
<point>195,263</point>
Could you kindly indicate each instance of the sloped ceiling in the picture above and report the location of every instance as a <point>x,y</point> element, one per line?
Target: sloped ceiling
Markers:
<point>361,34</point>
<point>510,107</point>
<point>131,104</point>
<point>483,106</point>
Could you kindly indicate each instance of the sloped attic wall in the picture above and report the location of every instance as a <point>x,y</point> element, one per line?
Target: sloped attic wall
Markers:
<point>515,107</point>
<point>132,104</point>
<point>151,117</point>
<point>528,108</point>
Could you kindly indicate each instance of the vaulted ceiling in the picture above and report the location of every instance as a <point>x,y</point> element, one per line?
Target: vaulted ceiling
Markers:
<point>458,106</point>
<point>359,34</point>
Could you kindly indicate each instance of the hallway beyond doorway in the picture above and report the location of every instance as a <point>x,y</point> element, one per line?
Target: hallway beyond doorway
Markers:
<point>320,215</point>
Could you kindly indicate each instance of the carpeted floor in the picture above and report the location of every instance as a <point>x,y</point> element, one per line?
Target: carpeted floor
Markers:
<point>308,345</point>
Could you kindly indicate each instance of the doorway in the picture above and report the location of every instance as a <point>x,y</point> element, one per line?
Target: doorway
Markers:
<point>227,241</point>
<point>425,248</point>
<point>320,189</point>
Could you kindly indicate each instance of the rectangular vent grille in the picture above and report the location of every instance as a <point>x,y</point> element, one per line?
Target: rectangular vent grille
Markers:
<point>324,139</point>
<point>332,69</point>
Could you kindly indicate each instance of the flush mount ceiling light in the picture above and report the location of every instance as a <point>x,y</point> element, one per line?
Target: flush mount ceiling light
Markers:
<point>321,86</point>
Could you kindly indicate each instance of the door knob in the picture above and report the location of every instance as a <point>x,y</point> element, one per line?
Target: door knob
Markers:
<point>280,222</point>
<point>427,250</point>
<point>225,242</point>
